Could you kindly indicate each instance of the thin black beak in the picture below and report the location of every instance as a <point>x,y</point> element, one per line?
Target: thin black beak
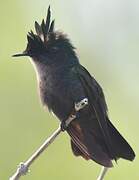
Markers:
<point>22,54</point>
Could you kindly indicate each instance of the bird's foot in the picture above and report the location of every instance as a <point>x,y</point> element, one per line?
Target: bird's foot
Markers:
<point>65,123</point>
<point>63,126</point>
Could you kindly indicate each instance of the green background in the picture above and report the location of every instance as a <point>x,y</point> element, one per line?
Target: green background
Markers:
<point>106,34</point>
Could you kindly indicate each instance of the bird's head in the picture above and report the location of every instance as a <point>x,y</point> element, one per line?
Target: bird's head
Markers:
<point>47,45</point>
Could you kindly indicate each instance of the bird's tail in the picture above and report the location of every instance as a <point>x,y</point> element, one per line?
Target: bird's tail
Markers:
<point>121,147</point>
<point>86,144</point>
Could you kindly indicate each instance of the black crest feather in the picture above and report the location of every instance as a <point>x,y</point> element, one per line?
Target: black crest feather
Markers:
<point>37,42</point>
<point>46,27</point>
<point>51,29</point>
<point>48,20</point>
<point>38,29</point>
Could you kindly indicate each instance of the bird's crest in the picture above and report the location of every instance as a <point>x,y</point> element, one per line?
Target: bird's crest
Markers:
<point>44,32</point>
<point>46,27</point>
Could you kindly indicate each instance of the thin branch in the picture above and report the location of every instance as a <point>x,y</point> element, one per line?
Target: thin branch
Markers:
<point>102,173</point>
<point>23,168</point>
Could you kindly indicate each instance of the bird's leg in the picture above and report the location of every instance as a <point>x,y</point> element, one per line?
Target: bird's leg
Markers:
<point>102,173</point>
<point>74,114</point>
<point>81,104</point>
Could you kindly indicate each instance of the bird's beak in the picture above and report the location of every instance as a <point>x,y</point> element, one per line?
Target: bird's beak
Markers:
<point>20,54</point>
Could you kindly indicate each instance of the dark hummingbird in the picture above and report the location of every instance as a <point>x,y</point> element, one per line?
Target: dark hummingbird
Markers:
<point>62,82</point>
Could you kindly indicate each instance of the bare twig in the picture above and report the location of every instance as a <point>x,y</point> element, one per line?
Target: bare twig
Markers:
<point>24,167</point>
<point>102,173</point>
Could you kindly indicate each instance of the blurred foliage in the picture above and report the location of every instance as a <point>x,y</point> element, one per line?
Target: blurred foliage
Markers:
<point>107,40</point>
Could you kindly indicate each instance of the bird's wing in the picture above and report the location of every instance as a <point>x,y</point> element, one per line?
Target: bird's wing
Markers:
<point>96,101</point>
<point>97,106</point>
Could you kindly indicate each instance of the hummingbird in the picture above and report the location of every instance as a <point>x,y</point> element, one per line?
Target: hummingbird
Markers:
<point>62,82</point>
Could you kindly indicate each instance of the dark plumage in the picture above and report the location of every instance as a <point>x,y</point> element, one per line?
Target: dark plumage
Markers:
<point>63,81</point>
